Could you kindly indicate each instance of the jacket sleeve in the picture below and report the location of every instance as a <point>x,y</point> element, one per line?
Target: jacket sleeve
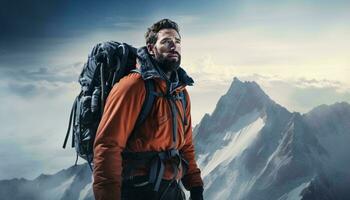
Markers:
<point>120,114</point>
<point>193,176</point>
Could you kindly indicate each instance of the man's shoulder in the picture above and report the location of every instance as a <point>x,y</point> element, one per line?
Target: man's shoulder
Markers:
<point>132,79</point>
<point>132,82</point>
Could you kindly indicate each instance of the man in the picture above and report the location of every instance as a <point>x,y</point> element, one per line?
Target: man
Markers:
<point>148,161</point>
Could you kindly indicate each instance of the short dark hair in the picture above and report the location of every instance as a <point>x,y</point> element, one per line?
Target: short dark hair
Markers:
<point>151,35</point>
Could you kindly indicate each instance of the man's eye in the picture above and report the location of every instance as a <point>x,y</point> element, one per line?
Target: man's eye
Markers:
<point>166,39</point>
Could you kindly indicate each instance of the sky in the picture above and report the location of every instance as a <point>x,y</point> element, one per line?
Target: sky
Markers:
<point>297,51</point>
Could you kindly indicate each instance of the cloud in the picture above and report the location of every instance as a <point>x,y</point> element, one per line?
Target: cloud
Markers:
<point>34,113</point>
<point>39,88</point>
<point>186,20</point>
<point>322,83</point>
<point>301,82</point>
<point>40,81</point>
<point>18,161</point>
<point>66,73</point>
<point>126,23</point>
<point>26,90</point>
<point>301,94</point>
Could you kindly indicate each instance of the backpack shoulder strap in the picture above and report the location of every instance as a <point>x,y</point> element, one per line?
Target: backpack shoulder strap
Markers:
<point>183,98</point>
<point>151,94</point>
<point>148,103</point>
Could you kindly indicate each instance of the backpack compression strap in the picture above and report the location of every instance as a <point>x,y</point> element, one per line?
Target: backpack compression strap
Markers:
<point>72,116</point>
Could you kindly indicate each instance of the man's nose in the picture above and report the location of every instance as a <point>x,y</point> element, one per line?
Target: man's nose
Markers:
<point>171,45</point>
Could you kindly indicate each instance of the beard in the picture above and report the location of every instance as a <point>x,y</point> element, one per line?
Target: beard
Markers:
<point>167,64</point>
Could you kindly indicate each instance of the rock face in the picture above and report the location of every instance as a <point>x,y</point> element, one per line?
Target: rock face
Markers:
<point>258,150</point>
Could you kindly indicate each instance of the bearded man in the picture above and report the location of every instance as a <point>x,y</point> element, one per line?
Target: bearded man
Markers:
<point>149,161</point>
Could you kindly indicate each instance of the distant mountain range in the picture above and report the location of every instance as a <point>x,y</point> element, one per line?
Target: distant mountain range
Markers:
<point>258,151</point>
<point>69,184</point>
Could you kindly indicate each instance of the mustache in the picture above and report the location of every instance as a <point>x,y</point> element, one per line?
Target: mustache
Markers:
<point>175,52</point>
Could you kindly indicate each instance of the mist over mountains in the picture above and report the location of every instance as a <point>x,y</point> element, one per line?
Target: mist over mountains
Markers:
<point>258,151</point>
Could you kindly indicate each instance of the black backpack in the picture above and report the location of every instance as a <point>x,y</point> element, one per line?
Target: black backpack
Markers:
<point>106,65</point>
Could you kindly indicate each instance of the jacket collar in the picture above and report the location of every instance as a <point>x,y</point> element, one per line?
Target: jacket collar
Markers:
<point>149,70</point>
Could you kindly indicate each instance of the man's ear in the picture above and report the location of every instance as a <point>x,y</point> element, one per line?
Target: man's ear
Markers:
<point>150,49</point>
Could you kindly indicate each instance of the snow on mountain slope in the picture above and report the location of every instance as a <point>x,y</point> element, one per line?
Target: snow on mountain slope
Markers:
<point>86,192</point>
<point>238,141</point>
<point>295,194</point>
<point>58,192</point>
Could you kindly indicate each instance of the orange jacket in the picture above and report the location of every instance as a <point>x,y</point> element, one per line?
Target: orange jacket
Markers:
<point>122,107</point>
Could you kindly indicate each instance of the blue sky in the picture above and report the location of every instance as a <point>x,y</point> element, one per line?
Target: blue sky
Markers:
<point>297,51</point>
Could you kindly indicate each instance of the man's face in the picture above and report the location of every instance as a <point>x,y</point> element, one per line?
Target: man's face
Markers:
<point>167,50</point>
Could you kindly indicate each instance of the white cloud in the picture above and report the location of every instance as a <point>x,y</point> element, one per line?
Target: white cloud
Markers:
<point>301,94</point>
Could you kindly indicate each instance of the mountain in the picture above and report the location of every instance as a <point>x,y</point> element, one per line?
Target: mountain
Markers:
<point>258,151</point>
<point>73,183</point>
